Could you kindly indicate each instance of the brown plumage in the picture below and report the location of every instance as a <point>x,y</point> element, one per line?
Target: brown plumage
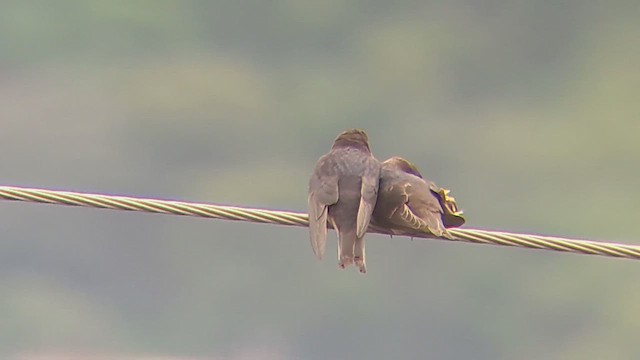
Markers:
<point>408,202</point>
<point>343,190</point>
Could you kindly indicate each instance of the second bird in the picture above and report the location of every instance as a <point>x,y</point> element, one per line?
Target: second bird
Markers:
<point>408,202</point>
<point>343,191</point>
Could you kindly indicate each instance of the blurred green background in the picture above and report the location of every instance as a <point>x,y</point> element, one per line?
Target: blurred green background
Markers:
<point>528,110</point>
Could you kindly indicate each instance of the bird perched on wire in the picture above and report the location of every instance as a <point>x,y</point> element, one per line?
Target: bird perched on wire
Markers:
<point>343,190</point>
<point>407,202</point>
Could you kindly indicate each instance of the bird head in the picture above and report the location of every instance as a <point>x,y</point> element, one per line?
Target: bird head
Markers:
<point>398,163</point>
<point>352,138</point>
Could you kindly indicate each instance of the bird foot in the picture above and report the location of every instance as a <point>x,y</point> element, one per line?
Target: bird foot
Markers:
<point>362,267</point>
<point>345,262</point>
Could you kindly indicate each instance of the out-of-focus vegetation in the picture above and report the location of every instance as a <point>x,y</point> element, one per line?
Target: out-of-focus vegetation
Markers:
<point>527,110</point>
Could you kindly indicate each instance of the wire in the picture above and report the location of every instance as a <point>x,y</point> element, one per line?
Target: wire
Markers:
<point>299,219</point>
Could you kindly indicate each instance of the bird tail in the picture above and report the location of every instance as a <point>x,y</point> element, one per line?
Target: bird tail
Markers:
<point>359,255</point>
<point>346,246</point>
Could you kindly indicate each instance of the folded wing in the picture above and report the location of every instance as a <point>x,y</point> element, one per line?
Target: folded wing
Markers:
<point>323,191</point>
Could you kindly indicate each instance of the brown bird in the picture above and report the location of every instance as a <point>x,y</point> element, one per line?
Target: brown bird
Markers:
<point>343,190</point>
<point>407,202</point>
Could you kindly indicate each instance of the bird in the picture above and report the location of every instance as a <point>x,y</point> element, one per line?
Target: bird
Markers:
<point>407,202</point>
<point>343,189</point>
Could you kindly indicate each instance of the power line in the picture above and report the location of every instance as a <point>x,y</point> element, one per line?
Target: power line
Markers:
<point>300,219</point>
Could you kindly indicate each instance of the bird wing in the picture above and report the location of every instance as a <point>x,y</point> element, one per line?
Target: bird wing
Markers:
<point>323,191</point>
<point>423,210</point>
<point>368,196</point>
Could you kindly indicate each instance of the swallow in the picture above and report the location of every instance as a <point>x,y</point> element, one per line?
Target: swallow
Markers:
<point>407,202</point>
<point>343,190</point>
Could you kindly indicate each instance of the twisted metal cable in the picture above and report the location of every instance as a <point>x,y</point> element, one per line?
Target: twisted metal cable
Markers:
<point>300,219</point>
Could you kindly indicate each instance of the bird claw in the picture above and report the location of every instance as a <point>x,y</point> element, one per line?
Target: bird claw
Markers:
<point>345,262</point>
<point>362,267</point>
